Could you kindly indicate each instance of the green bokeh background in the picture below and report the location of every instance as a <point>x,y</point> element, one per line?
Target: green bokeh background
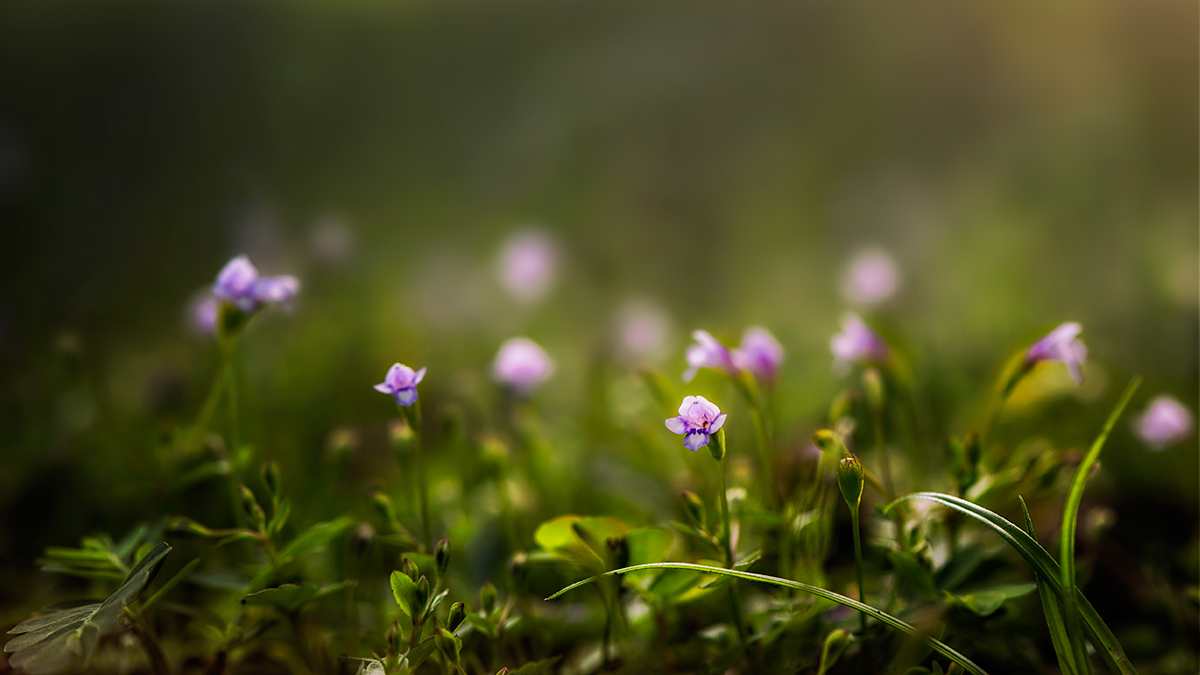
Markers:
<point>1026,163</point>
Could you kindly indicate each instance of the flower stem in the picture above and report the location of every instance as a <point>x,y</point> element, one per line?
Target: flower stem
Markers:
<point>413,413</point>
<point>726,543</point>
<point>858,566</point>
<point>231,378</point>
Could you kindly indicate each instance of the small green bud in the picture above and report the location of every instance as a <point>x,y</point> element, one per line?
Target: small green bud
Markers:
<point>850,481</point>
<point>250,508</point>
<point>441,556</point>
<point>271,478</point>
<point>458,613</point>
<point>716,444</point>
<point>423,593</point>
<point>841,406</point>
<point>694,507</point>
<point>872,384</point>
<point>828,442</point>
<point>382,504</point>
<point>410,569</point>
<point>487,597</point>
<point>448,643</point>
<point>395,638</point>
<point>516,566</point>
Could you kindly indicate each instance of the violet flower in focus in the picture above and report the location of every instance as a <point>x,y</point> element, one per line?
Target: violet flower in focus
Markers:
<point>521,365</point>
<point>240,284</point>
<point>857,342</point>
<point>871,278</point>
<point>708,352</point>
<point>1165,422</point>
<point>528,264</point>
<point>1062,345</point>
<point>760,353</point>
<point>698,419</point>
<point>401,382</point>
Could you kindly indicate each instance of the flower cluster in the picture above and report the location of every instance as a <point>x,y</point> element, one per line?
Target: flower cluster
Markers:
<point>239,283</point>
<point>759,354</point>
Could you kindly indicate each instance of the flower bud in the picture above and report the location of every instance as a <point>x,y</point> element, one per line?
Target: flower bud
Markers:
<point>410,569</point>
<point>395,638</point>
<point>872,384</point>
<point>694,507</point>
<point>251,510</point>
<point>441,556</point>
<point>487,597</point>
<point>458,613</point>
<point>716,445</point>
<point>423,593</point>
<point>516,566</point>
<point>850,481</point>
<point>828,442</point>
<point>271,478</point>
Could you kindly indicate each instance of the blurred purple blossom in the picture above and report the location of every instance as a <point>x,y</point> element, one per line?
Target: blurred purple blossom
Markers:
<point>698,419</point>
<point>760,353</point>
<point>857,342</point>
<point>401,382</point>
<point>642,331</point>
<point>528,265</point>
<point>708,352</point>
<point>1062,345</point>
<point>202,315</point>
<point>1165,421</point>
<point>239,283</point>
<point>871,278</point>
<point>521,365</point>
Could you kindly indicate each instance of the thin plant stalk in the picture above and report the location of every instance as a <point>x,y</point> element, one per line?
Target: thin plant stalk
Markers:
<point>413,412</point>
<point>858,564</point>
<point>726,542</point>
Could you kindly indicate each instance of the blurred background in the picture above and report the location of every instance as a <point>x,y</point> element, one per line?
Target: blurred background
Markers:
<point>686,164</point>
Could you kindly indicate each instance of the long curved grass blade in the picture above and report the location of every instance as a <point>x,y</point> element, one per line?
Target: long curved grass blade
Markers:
<point>1051,605</point>
<point>1044,565</point>
<point>1066,539</point>
<point>880,616</point>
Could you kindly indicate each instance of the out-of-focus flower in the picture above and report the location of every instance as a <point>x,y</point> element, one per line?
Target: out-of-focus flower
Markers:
<point>528,265</point>
<point>1062,345</point>
<point>331,240</point>
<point>708,352</point>
<point>1165,421</point>
<point>760,353</point>
<point>202,315</point>
<point>698,419</point>
<point>857,342</point>
<point>871,278</point>
<point>401,382</point>
<point>521,365</point>
<point>239,283</point>
<point>642,331</point>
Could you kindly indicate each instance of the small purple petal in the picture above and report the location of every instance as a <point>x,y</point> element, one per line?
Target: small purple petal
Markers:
<point>1062,345</point>
<point>406,397</point>
<point>695,439</point>
<point>760,353</point>
<point>677,425</point>
<point>717,423</point>
<point>275,289</point>
<point>236,278</point>
<point>1166,421</point>
<point>708,352</point>
<point>857,342</point>
<point>418,376</point>
<point>385,388</point>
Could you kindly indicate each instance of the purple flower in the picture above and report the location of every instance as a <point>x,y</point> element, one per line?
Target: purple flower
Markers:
<point>760,353</point>
<point>698,420</point>
<point>642,331</point>
<point>1061,345</point>
<point>528,264</point>
<point>240,284</point>
<point>521,365</point>
<point>202,315</point>
<point>857,342</point>
<point>871,278</point>
<point>708,352</point>
<point>1165,422</point>
<point>401,382</point>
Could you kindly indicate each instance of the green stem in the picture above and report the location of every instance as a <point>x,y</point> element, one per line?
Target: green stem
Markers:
<point>230,358</point>
<point>884,458</point>
<point>858,566</point>
<point>413,413</point>
<point>726,543</point>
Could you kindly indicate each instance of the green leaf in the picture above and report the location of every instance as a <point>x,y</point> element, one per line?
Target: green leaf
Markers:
<point>51,642</point>
<point>417,655</point>
<point>543,667</point>
<point>1066,538</point>
<point>315,536</point>
<point>279,516</point>
<point>649,544</point>
<point>291,597</point>
<point>1043,565</point>
<point>835,643</point>
<point>985,601</point>
<point>170,584</point>
<point>405,592</point>
<point>868,610</point>
<point>1052,606</point>
<point>482,625</point>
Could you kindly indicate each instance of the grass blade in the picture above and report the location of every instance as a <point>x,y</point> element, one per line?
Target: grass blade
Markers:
<point>1051,605</point>
<point>1043,564</point>
<point>868,610</point>
<point>1066,540</point>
